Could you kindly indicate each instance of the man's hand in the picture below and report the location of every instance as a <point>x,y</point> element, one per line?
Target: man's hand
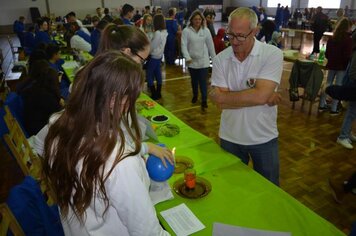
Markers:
<point>216,94</point>
<point>275,99</point>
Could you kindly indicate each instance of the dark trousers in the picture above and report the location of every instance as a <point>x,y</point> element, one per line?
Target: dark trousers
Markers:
<point>198,78</point>
<point>351,183</point>
<point>170,50</point>
<point>317,37</point>
<point>153,71</point>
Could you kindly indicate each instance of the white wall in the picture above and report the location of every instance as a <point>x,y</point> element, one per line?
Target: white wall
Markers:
<point>10,10</point>
<point>80,7</point>
<point>245,3</point>
<point>343,3</point>
<point>226,3</point>
<point>120,3</point>
<point>116,4</point>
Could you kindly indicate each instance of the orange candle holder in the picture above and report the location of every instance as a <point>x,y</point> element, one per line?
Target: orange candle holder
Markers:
<point>190,178</point>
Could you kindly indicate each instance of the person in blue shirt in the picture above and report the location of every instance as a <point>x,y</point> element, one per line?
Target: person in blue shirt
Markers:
<point>180,16</point>
<point>263,16</point>
<point>95,36</point>
<point>19,29</point>
<point>278,19</point>
<point>56,62</point>
<point>29,40</point>
<point>42,35</point>
<point>286,17</point>
<point>172,28</point>
<point>127,13</point>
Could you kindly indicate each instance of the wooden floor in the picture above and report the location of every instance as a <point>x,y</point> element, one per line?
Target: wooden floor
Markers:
<point>309,154</point>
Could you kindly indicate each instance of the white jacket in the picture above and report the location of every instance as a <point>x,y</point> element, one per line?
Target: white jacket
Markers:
<point>79,43</point>
<point>197,46</point>
<point>158,43</point>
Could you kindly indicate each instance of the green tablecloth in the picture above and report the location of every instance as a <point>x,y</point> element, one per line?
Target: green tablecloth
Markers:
<point>187,137</point>
<point>239,196</point>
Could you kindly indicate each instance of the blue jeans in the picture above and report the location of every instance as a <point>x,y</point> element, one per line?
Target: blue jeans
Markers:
<point>347,123</point>
<point>199,77</point>
<point>264,156</point>
<point>339,74</point>
<point>153,71</point>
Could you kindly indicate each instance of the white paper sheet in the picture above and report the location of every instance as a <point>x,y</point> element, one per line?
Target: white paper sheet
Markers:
<point>70,64</point>
<point>231,230</point>
<point>160,192</point>
<point>182,220</point>
<point>13,76</point>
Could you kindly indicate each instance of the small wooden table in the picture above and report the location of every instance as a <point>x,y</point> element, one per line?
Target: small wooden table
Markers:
<point>291,33</point>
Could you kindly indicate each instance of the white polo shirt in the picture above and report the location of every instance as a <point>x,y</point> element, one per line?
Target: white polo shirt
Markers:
<point>249,125</point>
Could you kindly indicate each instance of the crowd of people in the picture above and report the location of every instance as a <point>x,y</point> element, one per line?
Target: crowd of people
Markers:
<point>92,145</point>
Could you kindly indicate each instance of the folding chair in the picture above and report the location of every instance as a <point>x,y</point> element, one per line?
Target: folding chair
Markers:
<point>28,161</point>
<point>8,222</point>
<point>306,75</point>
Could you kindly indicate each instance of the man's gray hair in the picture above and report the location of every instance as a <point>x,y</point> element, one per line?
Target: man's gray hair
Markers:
<point>244,12</point>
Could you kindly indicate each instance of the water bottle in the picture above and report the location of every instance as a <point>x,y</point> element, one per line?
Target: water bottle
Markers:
<point>322,54</point>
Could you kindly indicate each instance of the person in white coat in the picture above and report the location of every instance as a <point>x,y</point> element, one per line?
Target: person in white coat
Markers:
<point>197,48</point>
<point>92,153</point>
<point>153,67</point>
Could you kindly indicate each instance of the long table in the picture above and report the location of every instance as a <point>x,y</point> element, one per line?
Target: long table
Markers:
<point>292,34</point>
<point>239,196</point>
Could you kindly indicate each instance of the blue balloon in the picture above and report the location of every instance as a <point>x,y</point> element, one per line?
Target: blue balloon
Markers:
<point>157,171</point>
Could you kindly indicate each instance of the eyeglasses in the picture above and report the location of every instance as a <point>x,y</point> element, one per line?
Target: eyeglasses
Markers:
<point>143,60</point>
<point>238,37</point>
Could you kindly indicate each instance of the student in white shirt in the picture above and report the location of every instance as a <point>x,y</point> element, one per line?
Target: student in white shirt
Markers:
<point>92,153</point>
<point>79,39</point>
<point>197,48</point>
<point>153,65</point>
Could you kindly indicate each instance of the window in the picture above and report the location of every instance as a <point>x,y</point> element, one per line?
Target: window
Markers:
<point>274,3</point>
<point>324,4</point>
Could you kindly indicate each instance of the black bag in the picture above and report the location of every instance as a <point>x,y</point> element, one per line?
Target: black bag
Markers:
<point>347,91</point>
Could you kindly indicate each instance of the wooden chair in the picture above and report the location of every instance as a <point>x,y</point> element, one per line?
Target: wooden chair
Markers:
<point>309,76</point>
<point>8,222</point>
<point>29,162</point>
<point>4,88</point>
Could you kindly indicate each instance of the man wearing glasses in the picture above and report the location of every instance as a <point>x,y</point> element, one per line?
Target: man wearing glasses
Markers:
<point>245,77</point>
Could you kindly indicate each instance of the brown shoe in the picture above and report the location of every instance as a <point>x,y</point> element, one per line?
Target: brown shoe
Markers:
<point>337,190</point>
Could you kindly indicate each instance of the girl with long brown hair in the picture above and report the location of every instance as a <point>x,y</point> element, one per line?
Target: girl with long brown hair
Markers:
<point>127,39</point>
<point>134,43</point>
<point>92,153</point>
